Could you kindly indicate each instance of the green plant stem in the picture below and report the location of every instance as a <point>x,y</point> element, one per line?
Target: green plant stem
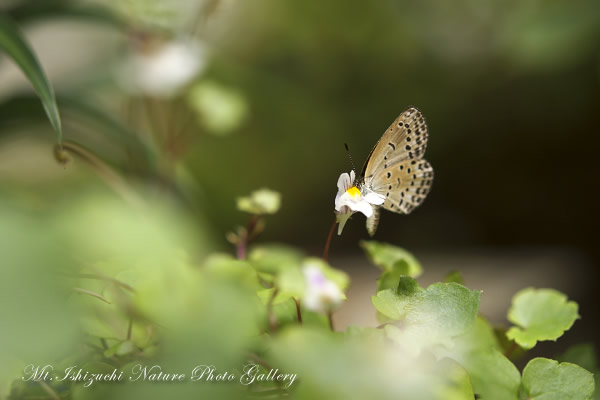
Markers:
<point>328,242</point>
<point>105,172</point>
<point>298,311</point>
<point>330,318</point>
<point>270,315</point>
<point>129,328</point>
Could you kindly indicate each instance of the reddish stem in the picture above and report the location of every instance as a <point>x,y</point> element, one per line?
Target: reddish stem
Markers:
<point>328,243</point>
<point>244,238</point>
<point>509,351</point>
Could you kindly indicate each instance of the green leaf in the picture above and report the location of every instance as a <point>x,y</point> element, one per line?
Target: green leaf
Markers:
<point>454,276</point>
<point>220,109</point>
<point>392,259</point>
<point>430,316</point>
<point>15,45</point>
<point>456,385</point>
<point>389,279</point>
<point>542,314</point>
<point>479,337</point>
<point>274,258</point>
<point>584,355</point>
<point>87,121</point>
<point>493,376</point>
<point>37,10</point>
<point>548,380</point>
<point>120,349</point>
<point>224,266</point>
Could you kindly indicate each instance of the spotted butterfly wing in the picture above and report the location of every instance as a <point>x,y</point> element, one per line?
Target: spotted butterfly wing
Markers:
<point>396,169</point>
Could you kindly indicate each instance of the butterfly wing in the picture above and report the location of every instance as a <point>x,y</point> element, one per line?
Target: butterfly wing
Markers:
<point>405,139</point>
<point>404,185</point>
<point>396,168</point>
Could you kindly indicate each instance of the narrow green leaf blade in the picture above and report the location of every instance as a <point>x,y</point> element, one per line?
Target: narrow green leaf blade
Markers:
<point>16,47</point>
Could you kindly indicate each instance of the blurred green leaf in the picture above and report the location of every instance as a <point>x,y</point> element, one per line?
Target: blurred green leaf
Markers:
<point>392,259</point>
<point>37,10</point>
<point>120,349</point>
<point>547,379</point>
<point>457,384</point>
<point>88,118</point>
<point>493,375</point>
<point>225,266</point>
<point>454,276</point>
<point>221,110</point>
<point>390,279</point>
<point>378,371</point>
<point>15,45</point>
<point>274,258</point>
<point>429,316</point>
<point>542,314</point>
<point>584,355</point>
<point>262,201</point>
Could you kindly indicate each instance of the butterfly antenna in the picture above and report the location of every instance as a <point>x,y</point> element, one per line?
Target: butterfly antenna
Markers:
<point>349,156</point>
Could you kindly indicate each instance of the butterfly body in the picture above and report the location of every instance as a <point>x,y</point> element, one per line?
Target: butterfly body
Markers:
<point>395,168</point>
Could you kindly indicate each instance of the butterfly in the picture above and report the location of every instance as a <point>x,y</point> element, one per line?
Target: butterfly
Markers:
<point>395,168</point>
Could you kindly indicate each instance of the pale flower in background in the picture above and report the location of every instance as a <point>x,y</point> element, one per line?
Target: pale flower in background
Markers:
<point>163,69</point>
<point>350,199</point>
<point>321,294</point>
<point>219,108</point>
<point>262,201</point>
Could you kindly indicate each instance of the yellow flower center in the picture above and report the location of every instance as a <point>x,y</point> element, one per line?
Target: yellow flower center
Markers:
<point>353,191</point>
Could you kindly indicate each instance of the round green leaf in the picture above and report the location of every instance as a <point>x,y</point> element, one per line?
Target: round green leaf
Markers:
<point>430,316</point>
<point>548,380</point>
<point>391,258</point>
<point>541,314</point>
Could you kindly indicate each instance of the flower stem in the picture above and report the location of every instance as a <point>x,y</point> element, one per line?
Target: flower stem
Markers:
<point>298,311</point>
<point>328,243</point>
<point>330,318</point>
<point>245,236</point>
<point>129,328</point>
<point>270,315</point>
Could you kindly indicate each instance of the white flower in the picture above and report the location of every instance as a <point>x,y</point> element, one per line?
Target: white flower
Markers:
<point>321,294</point>
<point>162,69</point>
<point>350,199</point>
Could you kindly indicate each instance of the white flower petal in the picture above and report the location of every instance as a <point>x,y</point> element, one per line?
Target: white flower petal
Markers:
<point>344,182</point>
<point>374,198</point>
<point>321,294</point>
<point>342,200</point>
<point>362,206</point>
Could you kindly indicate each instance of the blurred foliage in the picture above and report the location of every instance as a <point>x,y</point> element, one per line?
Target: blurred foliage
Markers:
<point>115,261</point>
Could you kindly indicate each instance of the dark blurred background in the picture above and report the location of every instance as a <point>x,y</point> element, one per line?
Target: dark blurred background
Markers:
<point>510,91</point>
